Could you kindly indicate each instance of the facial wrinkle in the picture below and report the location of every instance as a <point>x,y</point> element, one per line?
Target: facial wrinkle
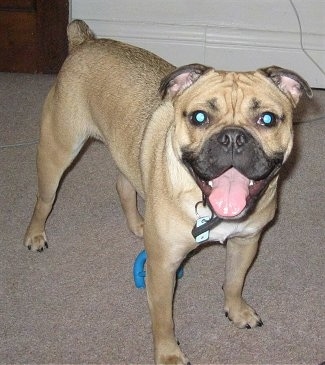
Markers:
<point>236,96</point>
<point>227,97</point>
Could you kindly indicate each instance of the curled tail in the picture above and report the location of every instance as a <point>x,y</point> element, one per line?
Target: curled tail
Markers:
<point>78,32</point>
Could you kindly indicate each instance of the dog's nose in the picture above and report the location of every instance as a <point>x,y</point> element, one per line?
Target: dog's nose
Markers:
<point>232,139</point>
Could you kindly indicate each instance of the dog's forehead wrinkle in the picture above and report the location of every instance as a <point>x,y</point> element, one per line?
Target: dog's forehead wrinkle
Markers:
<point>234,95</point>
<point>230,90</point>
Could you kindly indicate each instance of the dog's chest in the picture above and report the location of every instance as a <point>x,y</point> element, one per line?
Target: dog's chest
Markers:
<point>229,229</point>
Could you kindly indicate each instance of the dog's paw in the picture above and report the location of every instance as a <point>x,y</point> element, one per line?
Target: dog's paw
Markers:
<point>243,316</point>
<point>173,360</point>
<point>172,357</point>
<point>36,242</point>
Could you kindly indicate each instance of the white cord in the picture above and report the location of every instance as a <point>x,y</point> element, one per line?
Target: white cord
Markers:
<point>23,144</point>
<point>301,40</point>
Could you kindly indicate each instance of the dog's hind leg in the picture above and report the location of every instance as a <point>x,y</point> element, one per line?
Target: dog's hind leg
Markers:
<point>128,198</point>
<point>59,144</point>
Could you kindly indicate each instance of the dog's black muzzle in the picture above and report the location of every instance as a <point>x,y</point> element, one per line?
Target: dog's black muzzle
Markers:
<point>232,147</point>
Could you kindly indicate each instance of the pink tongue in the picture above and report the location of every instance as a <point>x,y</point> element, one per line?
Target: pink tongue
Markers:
<point>229,193</point>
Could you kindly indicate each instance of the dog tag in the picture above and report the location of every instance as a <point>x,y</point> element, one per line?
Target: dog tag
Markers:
<point>205,235</point>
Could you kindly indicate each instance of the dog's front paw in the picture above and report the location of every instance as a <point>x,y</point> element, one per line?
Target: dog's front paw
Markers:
<point>171,356</point>
<point>242,315</point>
<point>36,242</point>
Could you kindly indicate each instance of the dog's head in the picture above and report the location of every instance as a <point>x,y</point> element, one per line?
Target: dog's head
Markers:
<point>233,130</point>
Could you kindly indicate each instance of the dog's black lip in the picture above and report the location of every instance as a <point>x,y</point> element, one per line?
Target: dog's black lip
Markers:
<point>256,190</point>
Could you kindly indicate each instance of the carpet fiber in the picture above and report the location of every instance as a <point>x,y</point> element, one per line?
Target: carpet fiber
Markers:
<point>76,302</point>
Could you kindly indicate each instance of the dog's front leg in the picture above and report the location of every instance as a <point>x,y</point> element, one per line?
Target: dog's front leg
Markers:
<point>162,263</point>
<point>240,255</point>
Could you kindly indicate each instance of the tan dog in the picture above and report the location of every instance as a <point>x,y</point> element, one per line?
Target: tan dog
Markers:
<point>220,135</point>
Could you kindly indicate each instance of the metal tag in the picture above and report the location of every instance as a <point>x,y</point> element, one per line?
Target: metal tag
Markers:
<point>205,235</point>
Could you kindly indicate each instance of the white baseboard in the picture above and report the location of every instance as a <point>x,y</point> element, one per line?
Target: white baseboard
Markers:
<point>232,35</point>
<point>221,47</point>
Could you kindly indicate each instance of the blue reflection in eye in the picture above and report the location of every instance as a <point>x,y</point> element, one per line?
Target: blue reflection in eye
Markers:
<point>267,119</point>
<point>199,117</point>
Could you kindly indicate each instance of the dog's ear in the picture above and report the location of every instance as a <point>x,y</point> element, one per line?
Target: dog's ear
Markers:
<point>180,79</point>
<point>288,82</point>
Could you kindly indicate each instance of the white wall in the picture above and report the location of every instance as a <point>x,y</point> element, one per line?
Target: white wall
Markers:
<point>226,34</point>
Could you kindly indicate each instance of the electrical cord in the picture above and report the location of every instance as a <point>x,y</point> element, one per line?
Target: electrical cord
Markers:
<point>318,119</point>
<point>22,144</point>
<point>301,39</point>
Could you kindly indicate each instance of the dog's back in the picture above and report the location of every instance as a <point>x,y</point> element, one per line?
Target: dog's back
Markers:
<point>104,88</point>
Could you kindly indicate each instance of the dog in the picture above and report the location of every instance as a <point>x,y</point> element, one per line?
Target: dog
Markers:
<point>202,147</point>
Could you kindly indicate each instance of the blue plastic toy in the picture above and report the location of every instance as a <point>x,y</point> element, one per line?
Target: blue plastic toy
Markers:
<point>139,273</point>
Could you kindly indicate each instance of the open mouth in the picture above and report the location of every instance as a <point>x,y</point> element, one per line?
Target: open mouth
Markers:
<point>232,195</point>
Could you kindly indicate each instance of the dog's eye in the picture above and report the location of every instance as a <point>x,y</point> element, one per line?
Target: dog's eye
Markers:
<point>267,119</point>
<point>199,117</point>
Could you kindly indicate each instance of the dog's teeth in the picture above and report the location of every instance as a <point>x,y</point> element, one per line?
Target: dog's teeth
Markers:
<point>251,182</point>
<point>210,183</point>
